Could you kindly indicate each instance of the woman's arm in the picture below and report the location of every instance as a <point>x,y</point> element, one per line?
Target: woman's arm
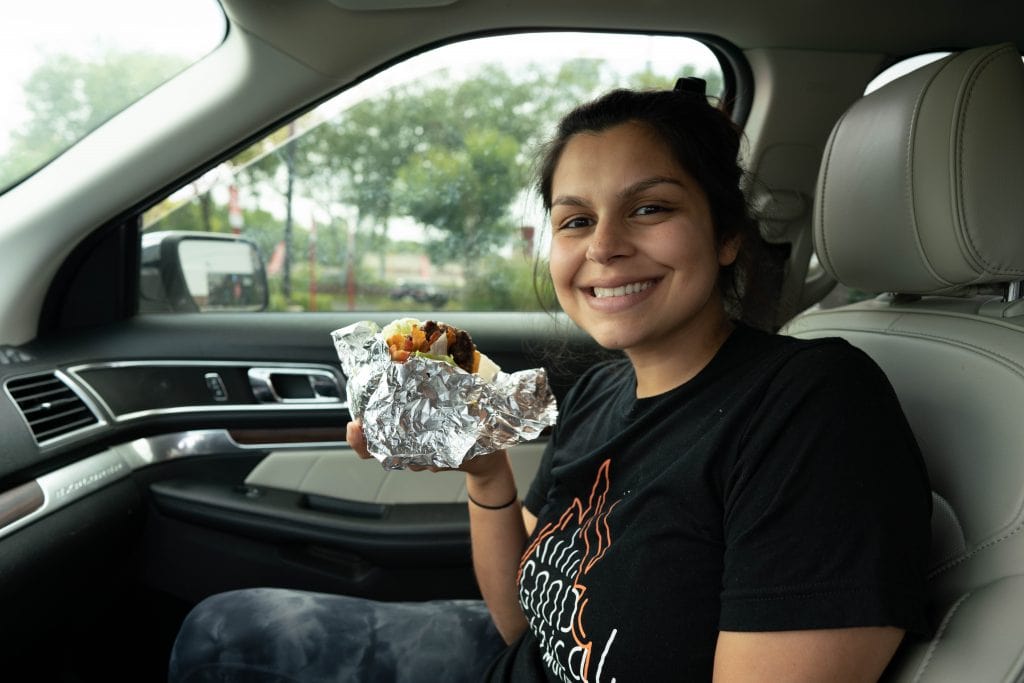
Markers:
<point>498,537</point>
<point>842,655</point>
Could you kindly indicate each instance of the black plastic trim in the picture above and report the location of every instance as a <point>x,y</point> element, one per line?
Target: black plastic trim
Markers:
<point>98,282</point>
<point>401,533</point>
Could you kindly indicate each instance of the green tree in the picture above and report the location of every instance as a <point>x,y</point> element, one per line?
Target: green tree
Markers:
<point>649,80</point>
<point>464,194</point>
<point>67,97</point>
<point>502,284</point>
<point>354,161</point>
<point>199,213</point>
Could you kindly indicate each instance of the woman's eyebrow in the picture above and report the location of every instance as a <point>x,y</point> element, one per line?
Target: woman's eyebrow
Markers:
<point>568,200</point>
<point>635,188</point>
<point>648,183</point>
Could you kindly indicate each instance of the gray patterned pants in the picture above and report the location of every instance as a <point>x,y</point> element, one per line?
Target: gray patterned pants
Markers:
<point>267,635</point>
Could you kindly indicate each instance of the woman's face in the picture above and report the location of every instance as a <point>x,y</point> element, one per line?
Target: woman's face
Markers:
<point>633,256</point>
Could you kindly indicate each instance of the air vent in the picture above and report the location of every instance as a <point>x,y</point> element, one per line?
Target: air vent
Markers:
<point>50,406</point>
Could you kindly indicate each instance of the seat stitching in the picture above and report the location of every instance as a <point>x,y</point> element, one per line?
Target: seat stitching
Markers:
<point>909,193</point>
<point>899,313</point>
<point>1014,674</point>
<point>1014,365</point>
<point>824,183</point>
<point>973,252</point>
<point>1015,526</point>
<point>938,636</point>
<point>941,502</point>
<point>941,569</point>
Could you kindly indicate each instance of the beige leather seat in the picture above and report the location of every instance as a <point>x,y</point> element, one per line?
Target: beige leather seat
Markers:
<point>921,194</point>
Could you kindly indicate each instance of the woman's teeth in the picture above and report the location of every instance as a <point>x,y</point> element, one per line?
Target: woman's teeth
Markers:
<point>631,288</point>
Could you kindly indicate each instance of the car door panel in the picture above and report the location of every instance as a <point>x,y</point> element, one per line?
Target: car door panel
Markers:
<point>242,492</point>
<point>340,474</point>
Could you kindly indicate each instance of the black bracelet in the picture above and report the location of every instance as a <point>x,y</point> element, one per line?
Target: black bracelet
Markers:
<point>515,499</point>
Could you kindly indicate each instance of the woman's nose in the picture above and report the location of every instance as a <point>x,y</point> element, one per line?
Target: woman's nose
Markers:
<point>608,241</point>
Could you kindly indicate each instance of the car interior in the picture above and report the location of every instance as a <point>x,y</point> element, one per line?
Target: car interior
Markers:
<point>156,449</point>
<point>925,166</point>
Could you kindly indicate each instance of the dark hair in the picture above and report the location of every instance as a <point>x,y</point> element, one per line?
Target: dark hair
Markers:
<point>705,142</point>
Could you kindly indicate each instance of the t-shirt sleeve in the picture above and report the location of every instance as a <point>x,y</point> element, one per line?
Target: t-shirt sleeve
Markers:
<point>538,492</point>
<point>826,503</point>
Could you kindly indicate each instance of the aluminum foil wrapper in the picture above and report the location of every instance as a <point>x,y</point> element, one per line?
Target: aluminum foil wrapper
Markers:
<point>429,412</point>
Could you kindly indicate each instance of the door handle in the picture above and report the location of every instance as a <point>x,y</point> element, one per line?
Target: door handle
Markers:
<point>295,385</point>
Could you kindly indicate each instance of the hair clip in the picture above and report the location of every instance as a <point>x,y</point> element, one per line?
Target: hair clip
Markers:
<point>692,86</point>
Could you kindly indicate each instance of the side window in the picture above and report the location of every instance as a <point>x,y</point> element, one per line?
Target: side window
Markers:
<point>413,190</point>
<point>901,68</point>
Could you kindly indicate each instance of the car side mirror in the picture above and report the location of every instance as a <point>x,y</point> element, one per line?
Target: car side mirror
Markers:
<point>194,271</point>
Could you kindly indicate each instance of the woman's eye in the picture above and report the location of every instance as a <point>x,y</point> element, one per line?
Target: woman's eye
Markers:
<point>648,210</point>
<point>577,222</point>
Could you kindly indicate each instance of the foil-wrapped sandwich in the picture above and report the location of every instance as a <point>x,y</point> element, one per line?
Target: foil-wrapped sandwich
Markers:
<point>427,396</point>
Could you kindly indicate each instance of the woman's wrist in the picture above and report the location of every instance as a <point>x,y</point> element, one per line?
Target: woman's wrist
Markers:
<point>492,487</point>
<point>487,506</point>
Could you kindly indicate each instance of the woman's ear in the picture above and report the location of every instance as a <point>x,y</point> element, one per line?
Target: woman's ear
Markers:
<point>729,250</point>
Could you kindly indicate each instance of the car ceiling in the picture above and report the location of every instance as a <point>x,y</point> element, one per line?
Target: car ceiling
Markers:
<point>336,41</point>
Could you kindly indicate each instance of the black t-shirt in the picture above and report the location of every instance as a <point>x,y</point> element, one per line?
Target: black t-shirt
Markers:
<point>781,488</point>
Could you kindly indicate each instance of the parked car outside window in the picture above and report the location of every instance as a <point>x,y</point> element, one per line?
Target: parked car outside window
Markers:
<point>419,292</point>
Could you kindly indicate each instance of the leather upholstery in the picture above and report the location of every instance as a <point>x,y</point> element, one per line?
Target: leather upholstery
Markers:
<point>921,192</point>
<point>920,185</point>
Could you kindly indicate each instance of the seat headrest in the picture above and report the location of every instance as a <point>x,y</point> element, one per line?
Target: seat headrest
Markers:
<point>921,189</point>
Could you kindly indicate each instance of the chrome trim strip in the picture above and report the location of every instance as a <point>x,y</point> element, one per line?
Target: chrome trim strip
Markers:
<point>291,368</point>
<point>221,408</point>
<point>72,482</point>
<point>199,363</point>
<point>77,480</point>
<point>164,447</point>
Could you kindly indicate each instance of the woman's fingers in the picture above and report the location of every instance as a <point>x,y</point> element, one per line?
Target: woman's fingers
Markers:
<point>355,438</point>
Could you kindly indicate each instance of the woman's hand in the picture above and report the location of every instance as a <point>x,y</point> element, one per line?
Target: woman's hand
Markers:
<point>356,439</point>
<point>482,465</point>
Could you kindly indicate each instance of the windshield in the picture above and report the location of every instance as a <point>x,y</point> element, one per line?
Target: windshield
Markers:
<point>71,65</point>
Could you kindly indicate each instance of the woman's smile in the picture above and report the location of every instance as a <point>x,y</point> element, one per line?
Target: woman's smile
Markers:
<point>612,298</point>
<point>621,290</point>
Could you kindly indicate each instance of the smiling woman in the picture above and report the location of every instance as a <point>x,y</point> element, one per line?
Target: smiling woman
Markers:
<point>91,61</point>
<point>709,470</point>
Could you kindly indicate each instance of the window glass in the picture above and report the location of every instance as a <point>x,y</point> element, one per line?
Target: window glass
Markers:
<point>902,68</point>
<point>413,190</point>
<point>68,66</point>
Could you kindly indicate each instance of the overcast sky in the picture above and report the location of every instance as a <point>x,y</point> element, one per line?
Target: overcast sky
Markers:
<point>30,31</point>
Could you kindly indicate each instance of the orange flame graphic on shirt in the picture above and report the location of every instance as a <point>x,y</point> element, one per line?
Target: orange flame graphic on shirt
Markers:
<point>592,521</point>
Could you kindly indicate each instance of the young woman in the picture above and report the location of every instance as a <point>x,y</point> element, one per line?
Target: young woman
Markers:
<point>721,502</point>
